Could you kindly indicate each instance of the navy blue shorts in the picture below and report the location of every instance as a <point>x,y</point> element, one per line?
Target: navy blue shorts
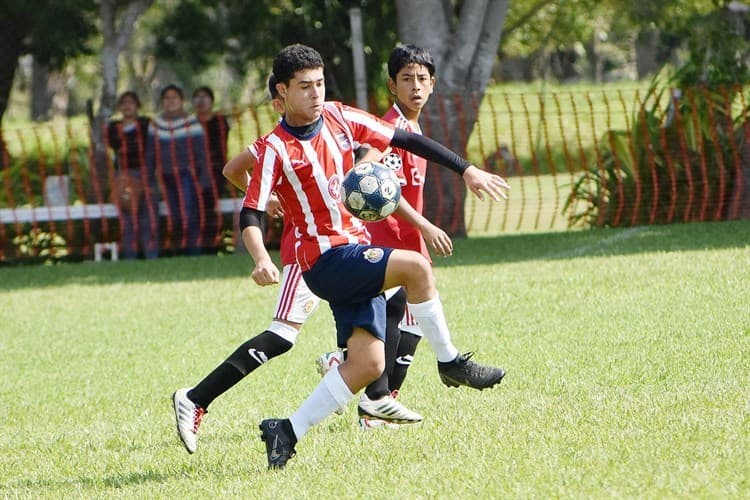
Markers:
<point>350,278</point>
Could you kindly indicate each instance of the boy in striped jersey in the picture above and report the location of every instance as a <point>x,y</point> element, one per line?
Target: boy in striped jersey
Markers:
<point>303,161</point>
<point>294,305</point>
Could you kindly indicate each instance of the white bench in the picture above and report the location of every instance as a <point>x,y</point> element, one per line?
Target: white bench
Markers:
<point>21,215</point>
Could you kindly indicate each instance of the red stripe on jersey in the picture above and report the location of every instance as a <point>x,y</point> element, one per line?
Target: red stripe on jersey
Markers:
<point>306,176</point>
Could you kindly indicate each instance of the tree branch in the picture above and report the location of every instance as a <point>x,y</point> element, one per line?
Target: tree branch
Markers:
<point>127,22</point>
<point>526,16</point>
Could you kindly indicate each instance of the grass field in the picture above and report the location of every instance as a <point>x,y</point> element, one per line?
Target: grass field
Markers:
<point>627,352</point>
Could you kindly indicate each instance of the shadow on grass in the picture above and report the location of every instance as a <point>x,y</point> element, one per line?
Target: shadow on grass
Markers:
<point>598,243</point>
<point>114,481</point>
<point>507,248</point>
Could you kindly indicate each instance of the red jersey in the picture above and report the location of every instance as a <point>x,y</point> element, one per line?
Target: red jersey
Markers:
<point>306,176</point>
<point>392,231</point>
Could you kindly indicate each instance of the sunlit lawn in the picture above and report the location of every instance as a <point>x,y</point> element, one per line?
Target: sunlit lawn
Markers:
<point>626,351</point>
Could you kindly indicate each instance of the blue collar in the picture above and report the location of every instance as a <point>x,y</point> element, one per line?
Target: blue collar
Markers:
<point>305,132</point>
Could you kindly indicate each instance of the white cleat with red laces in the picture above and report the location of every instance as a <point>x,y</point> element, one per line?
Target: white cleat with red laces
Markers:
<point>188,416</point>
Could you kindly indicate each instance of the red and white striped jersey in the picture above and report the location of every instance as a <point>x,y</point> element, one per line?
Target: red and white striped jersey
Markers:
<point>306,176</point>
<point>392,231</point>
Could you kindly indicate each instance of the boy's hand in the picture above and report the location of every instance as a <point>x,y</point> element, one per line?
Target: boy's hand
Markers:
<point>265,273</point>
<point>273,207</point>
<point>437,240</point>
<point>478,180</point>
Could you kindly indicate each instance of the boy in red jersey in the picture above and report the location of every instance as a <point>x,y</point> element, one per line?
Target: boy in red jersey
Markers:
<point>303,161</point>
<point>294,305</point>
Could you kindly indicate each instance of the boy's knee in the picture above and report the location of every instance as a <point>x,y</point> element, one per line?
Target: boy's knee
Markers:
<point>372,368</point>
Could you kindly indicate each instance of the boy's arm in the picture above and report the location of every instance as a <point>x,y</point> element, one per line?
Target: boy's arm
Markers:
<point>265,271</point>
<point>237,170</point>
<point>436,238</point>
<point>478,181</point>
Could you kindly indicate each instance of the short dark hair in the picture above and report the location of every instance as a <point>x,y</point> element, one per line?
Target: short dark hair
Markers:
<point>174,87</point>
<point>205,90</point>
<point>293,58</point>
<point>132,95</point>
<point>403,55</point>
<point>272,86</point>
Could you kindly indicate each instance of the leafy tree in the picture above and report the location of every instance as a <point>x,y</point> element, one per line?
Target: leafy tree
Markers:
<point>196,34</point>
<point>51,31</point>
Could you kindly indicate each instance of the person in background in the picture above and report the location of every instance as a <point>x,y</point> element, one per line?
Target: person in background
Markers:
<point>216,127</point>
<point>135,191</point>
<point>176,148</point>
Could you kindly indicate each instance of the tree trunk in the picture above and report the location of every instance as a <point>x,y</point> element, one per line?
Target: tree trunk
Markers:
<point>116,37</point>
<point>12,33</point>
<point>647,45</point>
<point>41,95</point>
<point>464,55</point>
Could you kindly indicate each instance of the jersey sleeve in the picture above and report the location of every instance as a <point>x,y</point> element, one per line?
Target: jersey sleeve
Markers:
<point>264,176</point>
<point>367,128</point>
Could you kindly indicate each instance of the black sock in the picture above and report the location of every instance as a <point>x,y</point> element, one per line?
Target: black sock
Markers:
<point>394,311</point>
<point>245,359</point>
<point>407,346</point>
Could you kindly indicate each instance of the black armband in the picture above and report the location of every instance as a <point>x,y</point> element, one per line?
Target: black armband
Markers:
<point>250,217</point>
<point>429,149</point>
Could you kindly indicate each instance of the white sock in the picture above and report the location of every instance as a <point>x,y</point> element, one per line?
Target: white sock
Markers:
<point>331,394</point>
<point>431,320</point>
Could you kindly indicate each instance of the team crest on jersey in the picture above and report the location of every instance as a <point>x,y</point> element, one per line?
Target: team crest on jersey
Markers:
<point>373,255</point>
<point>334,187</point>
<point>343,141</point>
<point>308,306</point>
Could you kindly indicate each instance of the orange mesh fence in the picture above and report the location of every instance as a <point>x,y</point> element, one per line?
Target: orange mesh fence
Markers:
<point>603,157</point>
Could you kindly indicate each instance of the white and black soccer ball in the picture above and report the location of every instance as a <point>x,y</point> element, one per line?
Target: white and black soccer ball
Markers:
<point>392,161</point>
<point>370,191</point>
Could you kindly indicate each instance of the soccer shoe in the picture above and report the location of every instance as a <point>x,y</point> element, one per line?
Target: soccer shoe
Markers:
<point>280,440</point>
<point>188,416</point>
<point>328,360</point>
<point>463,371</point>
<point>388,409</point>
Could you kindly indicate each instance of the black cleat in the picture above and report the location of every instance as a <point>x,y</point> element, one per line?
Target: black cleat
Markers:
<point>463,371</point>
<point>280,440</point>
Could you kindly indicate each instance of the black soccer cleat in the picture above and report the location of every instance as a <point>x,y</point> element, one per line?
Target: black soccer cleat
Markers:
<point>280,440</point>
<point>463,371</point>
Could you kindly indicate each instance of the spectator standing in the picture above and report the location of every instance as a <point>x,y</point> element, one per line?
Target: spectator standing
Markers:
<point>177,149</point>
<point>216,127</point>
<point>134,188</point>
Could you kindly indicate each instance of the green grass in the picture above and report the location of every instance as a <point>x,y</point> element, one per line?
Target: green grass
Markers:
<point>627,352</point>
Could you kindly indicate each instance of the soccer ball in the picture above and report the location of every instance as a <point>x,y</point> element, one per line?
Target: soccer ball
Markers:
<point>370,191</point>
